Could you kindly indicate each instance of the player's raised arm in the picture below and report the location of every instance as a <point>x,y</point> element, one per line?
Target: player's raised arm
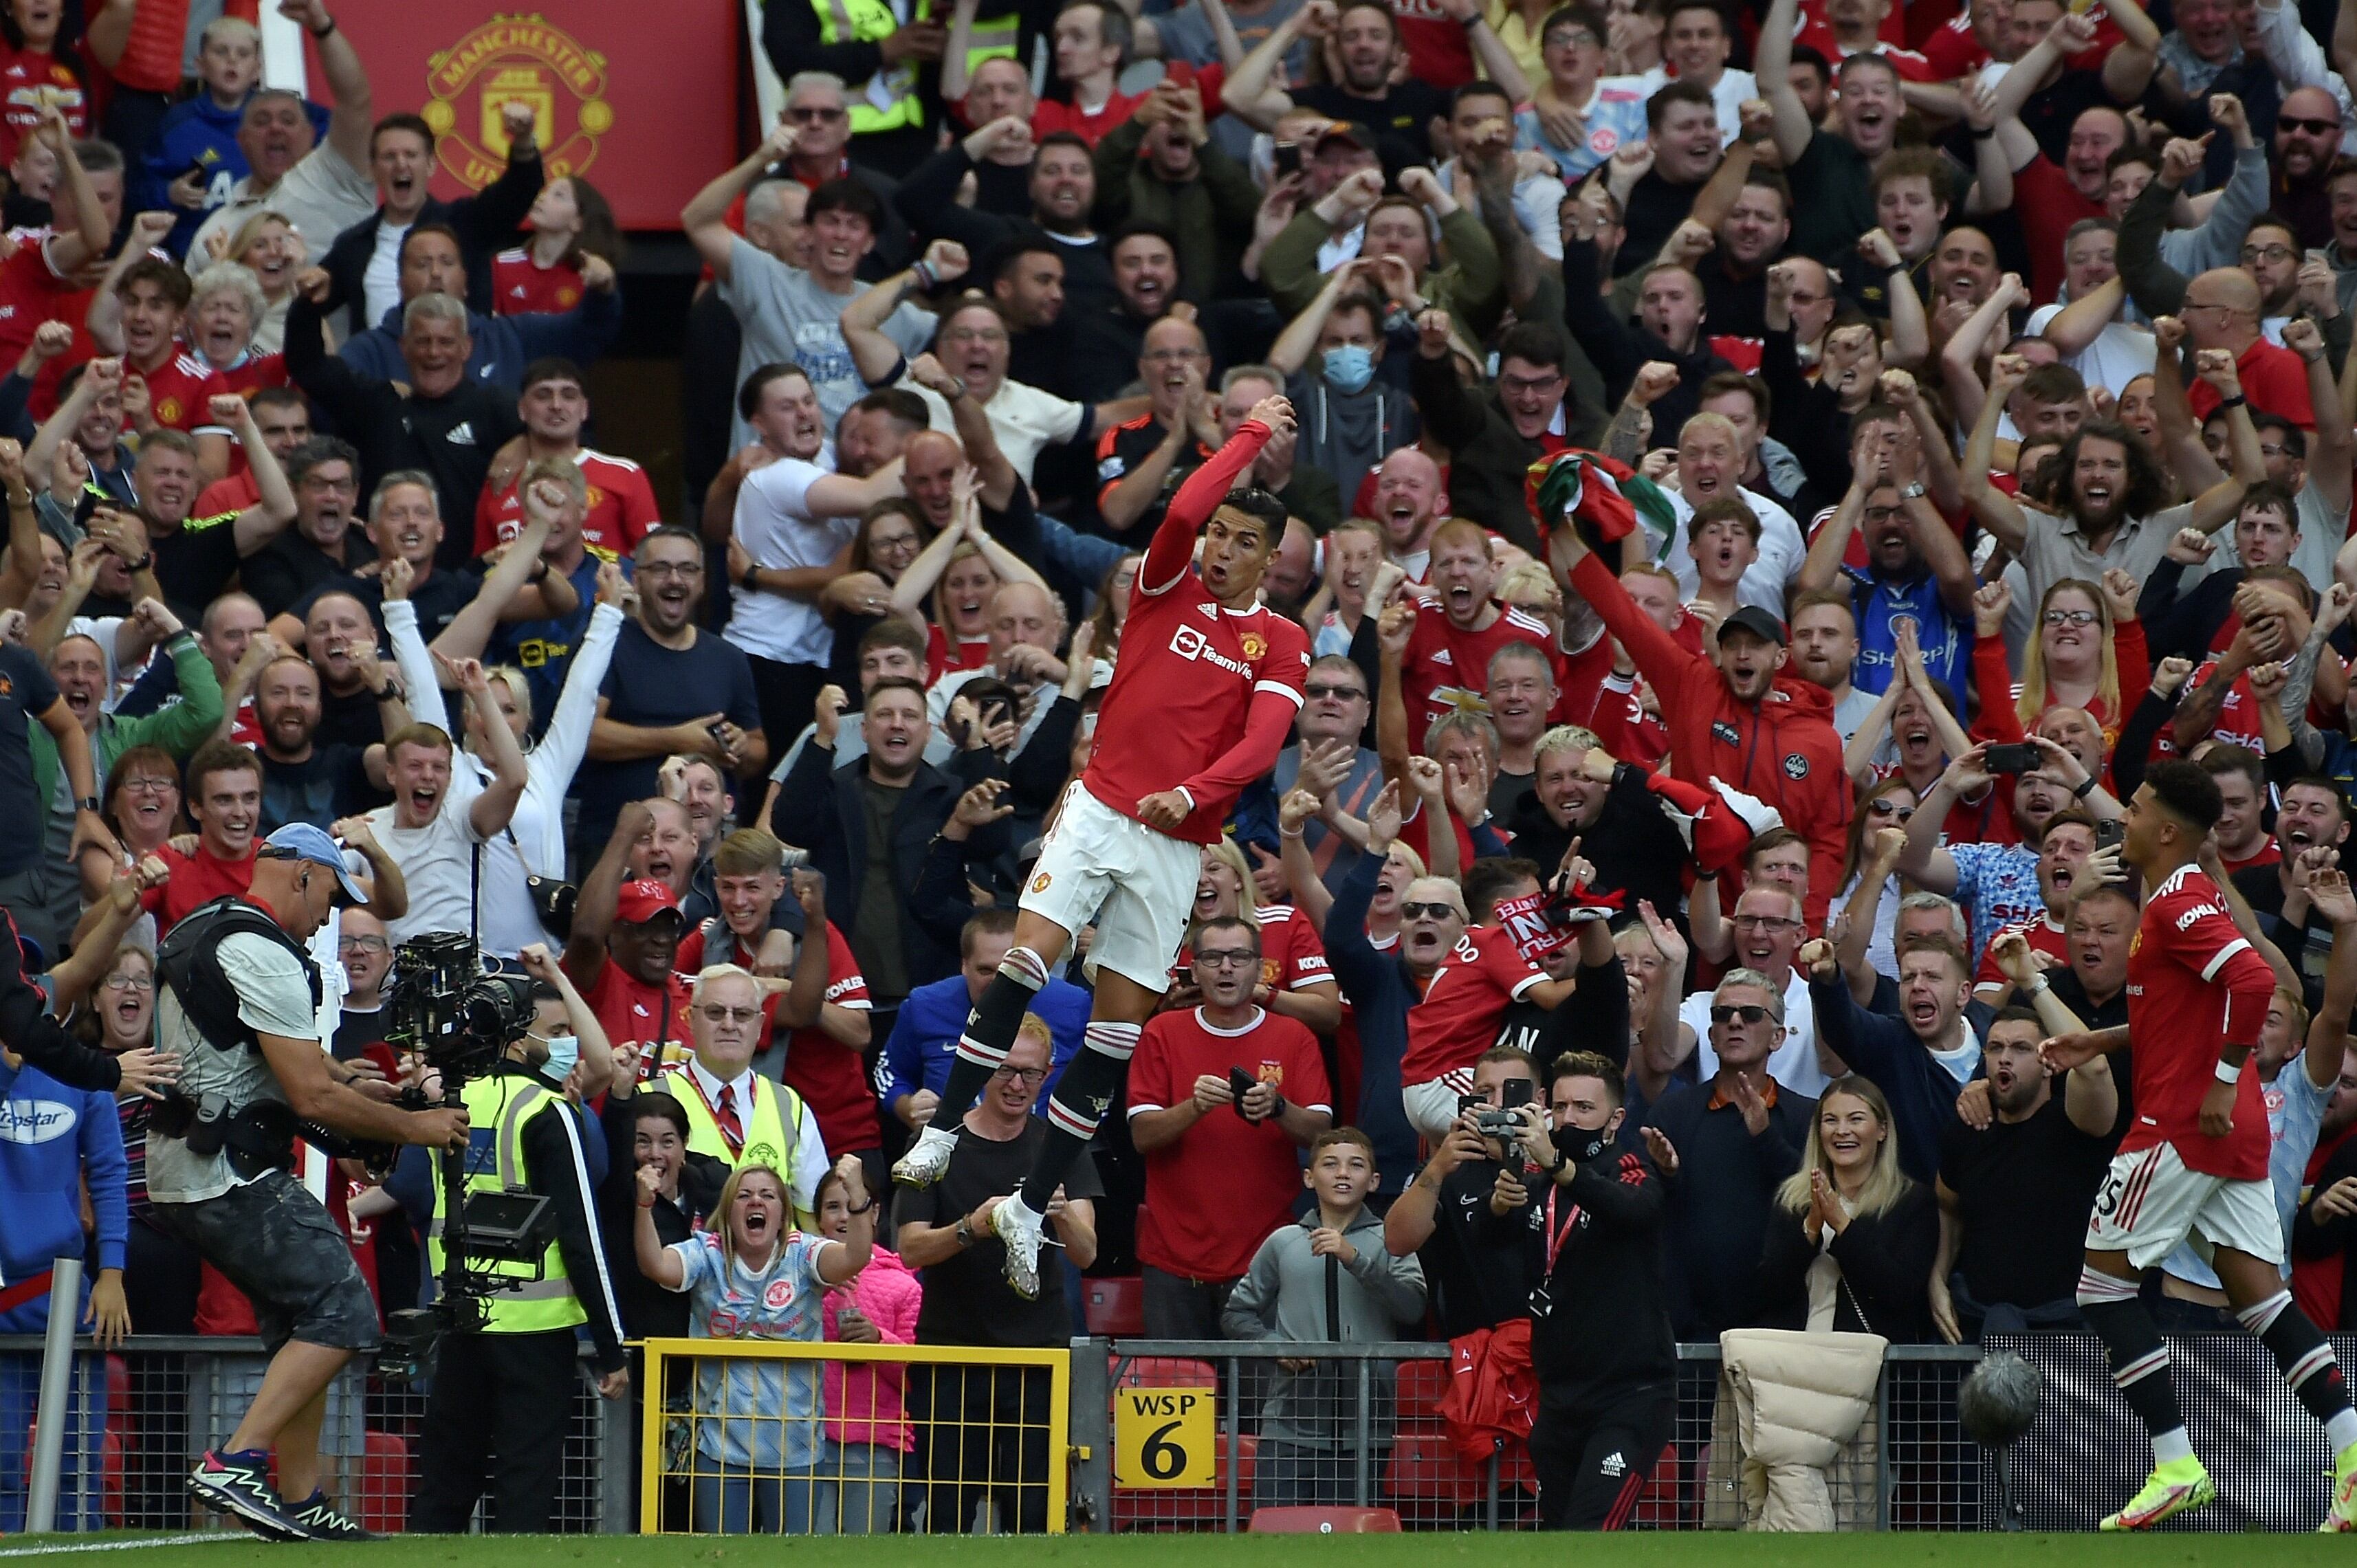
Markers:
<point>1173,547</point>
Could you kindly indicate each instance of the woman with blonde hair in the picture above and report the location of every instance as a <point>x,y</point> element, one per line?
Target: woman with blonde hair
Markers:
<point>752,1276</point>
<point>1852,1239</point>
<point>2087,651</point>
<point>267,245</point>
<point>1113,605</point>
<point>1293,980</point>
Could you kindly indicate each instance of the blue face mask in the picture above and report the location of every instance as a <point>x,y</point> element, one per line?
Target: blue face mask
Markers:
<point>563,1050</point>
<point>1349,368</point>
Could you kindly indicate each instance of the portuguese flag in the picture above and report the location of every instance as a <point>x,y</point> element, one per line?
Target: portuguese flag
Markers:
<point>1600,496</point>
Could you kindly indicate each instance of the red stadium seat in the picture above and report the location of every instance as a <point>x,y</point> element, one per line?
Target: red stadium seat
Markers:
<point>380,1500</point>
<point>1422,1385</point>
<point>1114,1307</point>
<point>1324,1521</point>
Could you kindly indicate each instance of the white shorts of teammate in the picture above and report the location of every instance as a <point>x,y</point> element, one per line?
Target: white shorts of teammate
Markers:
<point>1431,1106</point>
<point>2150,1201</point>
<point>1137,885</point>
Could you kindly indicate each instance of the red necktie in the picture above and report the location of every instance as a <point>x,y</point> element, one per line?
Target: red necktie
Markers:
<point>730,1128</point>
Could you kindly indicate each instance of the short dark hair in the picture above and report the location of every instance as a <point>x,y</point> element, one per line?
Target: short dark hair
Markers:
<point>217,756</point>
<point>2054,383</point>
<point>1112,25</point>
<point>1657,107</point>
<point>2272,494</point>
<point>2305,780</point>
<point>1589,1064</point>
<point>1262,507</point>
<point>279,397</point>
<point>757,385</point>
<point>1062,139</point>
<point>847,195</point>
<point>552,368</point>
<point>1225,923</point>
<point>1486,881</point>
<point>988,923</point>
<point>419,230</point>
<point>317,450</point>
<point>2295,439</point>
<point>414,123</point>
<point>1586,17</point>
<point>1534,343</point>
<point>1141,226</point>
<point>2068,817</point>
<point>1751,386</point>
<point>1814,58</point>
<point>2016,1013</point>
<point>169,280</point>
<point>1004,259</point>
<point>1479,90</point>
<point>2192,796</point>
<point>1765,178</point>
<point>892,631</point>
<point>900,402</point>
<point>897,683</point>
<point>2226,758</point>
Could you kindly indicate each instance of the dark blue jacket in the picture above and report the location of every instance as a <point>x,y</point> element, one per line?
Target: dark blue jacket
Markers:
<point>53,1139</point>
<point>1381,991</point>
<point>1881,1048</point>
<point>925,1035</point>
<point>503,344</point>
<point>485,222</point>
<point>199,130</point>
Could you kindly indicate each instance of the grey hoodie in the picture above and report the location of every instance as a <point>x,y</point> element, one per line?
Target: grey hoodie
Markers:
<point>1284,1297</point>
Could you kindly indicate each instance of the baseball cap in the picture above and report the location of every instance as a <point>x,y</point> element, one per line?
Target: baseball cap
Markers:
<point>1347,130</point>
<point>301,840</point>
<point>642,900</point>
<point>1758,622</point>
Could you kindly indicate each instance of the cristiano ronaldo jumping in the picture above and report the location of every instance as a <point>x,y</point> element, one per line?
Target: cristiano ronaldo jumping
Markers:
<point>2195,1162</point>
<point>1203,699</point>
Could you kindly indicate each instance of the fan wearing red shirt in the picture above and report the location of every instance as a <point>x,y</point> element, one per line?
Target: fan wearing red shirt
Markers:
<point>1447,669</point>
<point>619,952</point>
<point>553,405</point>
<point>45,280</point>
<point>224,790</point>
<point>1220,1171</point>
<point>1201,702</point>
<point>2194,1162</point>
<point>544,274</point>
<point>823,1012</point>
<point>1091,44</point>
<point>1476,972</point>
<point>34,82</point>
<point>2221,312</point>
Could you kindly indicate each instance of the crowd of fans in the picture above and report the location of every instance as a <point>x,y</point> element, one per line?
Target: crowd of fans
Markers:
<point>1964,411</point>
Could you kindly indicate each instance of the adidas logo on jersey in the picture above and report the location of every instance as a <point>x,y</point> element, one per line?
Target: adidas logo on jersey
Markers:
<point>1614,1465</point>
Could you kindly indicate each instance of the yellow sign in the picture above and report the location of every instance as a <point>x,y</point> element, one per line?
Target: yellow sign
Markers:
<point>516,60</point>
<point>1165,1437</point>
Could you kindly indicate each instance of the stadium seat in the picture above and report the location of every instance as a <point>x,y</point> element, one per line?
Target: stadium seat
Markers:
<point>1422,1385</point>
<point>1324,1521</point>
<point>386,1478</point>
<point>1426,1469</point>
<point>1190,1508</point>
<point>1114,1307</point>
<point>1168,1373</point>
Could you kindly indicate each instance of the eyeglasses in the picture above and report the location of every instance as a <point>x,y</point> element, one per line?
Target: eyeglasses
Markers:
<point>1749,1012</point>
<point>1427,911</point>
<point>1528,384</point>
<point>811,114</point>
<point>1022,1074</point>
<point>150,786</point>
<point>671,569</point>
<point>129,983</point>
<point>715,1013</point>
<point>2070,617</point>
<point>1883,513</point>
<point>1318,691</point>
<point>1232,957</point>
<point>322,482</point>
<point>2314,128</point>
<point>1890,809</point>
<point>1763,923</point>
<point>2273,255</point>
<point>362,945</point>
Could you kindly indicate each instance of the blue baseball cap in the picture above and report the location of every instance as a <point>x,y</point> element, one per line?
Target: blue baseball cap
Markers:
<point>301,840</point>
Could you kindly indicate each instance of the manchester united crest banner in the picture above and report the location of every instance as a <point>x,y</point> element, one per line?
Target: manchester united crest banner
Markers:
<point>639,99</point>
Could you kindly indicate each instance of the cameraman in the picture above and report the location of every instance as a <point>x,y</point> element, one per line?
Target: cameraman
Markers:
<point>505,1385</point>
<point>240,1006</point>
<point>1465,1212</point>
<point>1600,1343</point>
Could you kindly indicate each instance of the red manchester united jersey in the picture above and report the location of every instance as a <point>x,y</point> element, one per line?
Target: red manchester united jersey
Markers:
<point>1192,672</point>
<point>2194,985</point>
<point>1465,1004</point>
<point>622,508</point>
<point>1213,1196</point>
<point>1448,667</point>
<point>522,286</point>
<point>178,391</point>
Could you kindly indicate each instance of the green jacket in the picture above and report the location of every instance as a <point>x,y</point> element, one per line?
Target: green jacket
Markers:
<point>179,726</point>
<point>1471,287</point>
<point>1211,214</point>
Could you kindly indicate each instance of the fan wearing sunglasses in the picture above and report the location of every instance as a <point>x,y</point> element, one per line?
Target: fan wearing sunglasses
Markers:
<point>1725,1145</point>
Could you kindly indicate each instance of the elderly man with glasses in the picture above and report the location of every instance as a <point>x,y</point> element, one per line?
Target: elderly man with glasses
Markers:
<point>733,1113</point>
<point>1769,929</point>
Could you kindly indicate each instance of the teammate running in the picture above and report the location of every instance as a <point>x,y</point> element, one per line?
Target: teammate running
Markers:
<point>1203,699</point>
<point>2196,1159</point>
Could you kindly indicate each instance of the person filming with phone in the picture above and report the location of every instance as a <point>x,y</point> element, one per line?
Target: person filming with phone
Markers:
<point>1465,1213</point>
<point>1223,1099</point>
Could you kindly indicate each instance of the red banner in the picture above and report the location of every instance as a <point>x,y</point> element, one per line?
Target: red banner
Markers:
<point>638,99</point>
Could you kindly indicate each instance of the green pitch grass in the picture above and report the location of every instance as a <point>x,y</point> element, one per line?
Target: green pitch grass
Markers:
<point>1468,1551</point>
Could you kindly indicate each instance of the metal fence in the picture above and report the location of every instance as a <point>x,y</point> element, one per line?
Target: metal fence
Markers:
<point>1354,1425</point>
<point>783,1437</point>
<point>143,1415</point>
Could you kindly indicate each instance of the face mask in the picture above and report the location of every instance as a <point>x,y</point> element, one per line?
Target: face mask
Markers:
<point>563,1050</point>
<point>1349,368</point>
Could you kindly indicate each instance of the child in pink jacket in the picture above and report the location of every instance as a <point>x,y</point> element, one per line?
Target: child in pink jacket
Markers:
<point>867,1425</point>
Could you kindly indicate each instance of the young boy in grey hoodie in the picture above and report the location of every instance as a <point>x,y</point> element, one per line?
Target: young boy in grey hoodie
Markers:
<point>1325,1279</point>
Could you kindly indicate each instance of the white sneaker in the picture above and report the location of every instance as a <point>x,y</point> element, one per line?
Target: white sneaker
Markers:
<point>928,1159</point>
<point>1017,1226</point>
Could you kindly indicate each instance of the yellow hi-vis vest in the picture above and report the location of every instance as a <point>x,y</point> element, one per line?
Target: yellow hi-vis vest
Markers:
<point>887,101</point>
<point>769,1123</point>
<point>497,1109</point>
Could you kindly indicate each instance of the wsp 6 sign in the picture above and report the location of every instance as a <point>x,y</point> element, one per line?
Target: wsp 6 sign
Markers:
<point>1165,1437</point>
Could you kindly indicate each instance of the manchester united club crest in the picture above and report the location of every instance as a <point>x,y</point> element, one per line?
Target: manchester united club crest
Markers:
<point>1255,645</point>
<point>516,59</point>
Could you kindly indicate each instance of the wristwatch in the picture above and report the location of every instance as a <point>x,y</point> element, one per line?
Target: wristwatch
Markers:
<point>1914,491</point>
<point>965,1231</point>
<point>87,803</point>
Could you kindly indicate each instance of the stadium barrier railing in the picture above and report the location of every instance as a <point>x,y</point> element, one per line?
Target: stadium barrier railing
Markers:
<point>740,1436</point>
<point>141,1415</point>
